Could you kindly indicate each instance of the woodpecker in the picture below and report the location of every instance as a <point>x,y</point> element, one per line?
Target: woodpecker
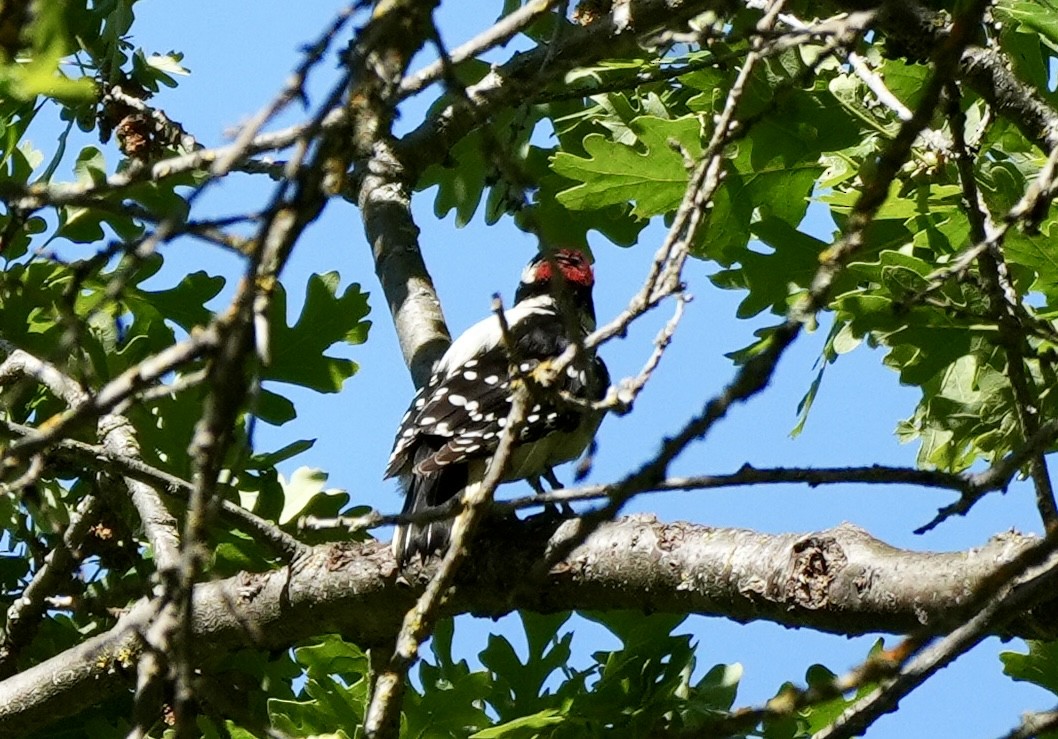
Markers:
<point>453,425</point>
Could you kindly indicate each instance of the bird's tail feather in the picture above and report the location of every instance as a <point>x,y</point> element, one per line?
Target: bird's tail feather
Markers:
<point>422,539</point>
<point>422,492</point>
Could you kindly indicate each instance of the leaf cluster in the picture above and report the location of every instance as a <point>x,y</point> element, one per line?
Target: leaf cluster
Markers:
<point>87,284</point>
<point>812,132</point>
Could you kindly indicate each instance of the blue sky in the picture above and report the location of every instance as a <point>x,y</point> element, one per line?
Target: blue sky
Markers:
<point>241,53</point>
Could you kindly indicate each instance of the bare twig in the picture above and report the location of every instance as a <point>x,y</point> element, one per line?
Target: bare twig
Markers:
<point>132,380</point>
<point>1012,588</point>
<point>293,89</point>
<point>113,460</point>
<point>495,35</point>
<point>859,65</point>
<point>19,365</point>
<point>1005,306</point>
<point>792,699</point>
<point>24,614</point>
<point>876,85</point>
<point>627,390</point>
<point>383,710</point>
<point>1034,725</point>
<point>998,476</point>
<point>159,524</point>
<point>662,280</point>
<point>967,484</point>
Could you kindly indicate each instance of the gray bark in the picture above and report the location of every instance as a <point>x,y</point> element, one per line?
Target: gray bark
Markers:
<point>841,580</point>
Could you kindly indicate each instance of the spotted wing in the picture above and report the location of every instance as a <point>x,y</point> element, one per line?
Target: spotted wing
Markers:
<point>463,416</point>
<point>462,411</point>
<point>475,424</point>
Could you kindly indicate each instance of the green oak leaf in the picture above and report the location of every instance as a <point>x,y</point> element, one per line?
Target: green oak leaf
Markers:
<point>234,551</point>
<point>304,494</point>
<point>524,726</point>
<point>460,182</point>
<point>334,694</point>
<point>452,702</point>
<point>297,352</point>
<point>906,81</point>
<point>185,303</point>
<point>267,460</point>
<point>83,224</point>
<point>1036,251</point>
<point>770,174</point>
<point>770,278</point>
<point>1038,666</point>
<point>653,176</point>
<point>470,166</point>
<point>1039,15</point>
<point>153,312</point>
<point>518,687</point>
<point>967,412</point>
<point>558,224</point>
<point>274,408</point>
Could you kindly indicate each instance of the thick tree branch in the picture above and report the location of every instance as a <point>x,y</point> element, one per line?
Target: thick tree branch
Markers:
<point>1012,589</point>
<point>159,524</point>
<point>841,580</point>
<point>383,194</point>
<point>385,204</point>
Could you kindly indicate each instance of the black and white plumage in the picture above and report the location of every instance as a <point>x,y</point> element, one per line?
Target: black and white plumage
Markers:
<point>454,423</point>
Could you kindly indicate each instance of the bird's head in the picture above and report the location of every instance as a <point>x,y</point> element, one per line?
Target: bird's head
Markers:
<point>538,275</point>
